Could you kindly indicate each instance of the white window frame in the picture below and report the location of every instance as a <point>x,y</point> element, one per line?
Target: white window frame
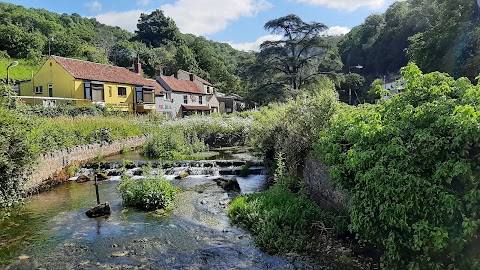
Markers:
<point>185,99</point>
<point>39,89</point>
<point>200,100</point>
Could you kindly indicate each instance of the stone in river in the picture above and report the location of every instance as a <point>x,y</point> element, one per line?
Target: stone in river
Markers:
<point>99,210</point>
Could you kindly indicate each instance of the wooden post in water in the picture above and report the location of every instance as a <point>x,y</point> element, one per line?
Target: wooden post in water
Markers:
<point>96,190</point>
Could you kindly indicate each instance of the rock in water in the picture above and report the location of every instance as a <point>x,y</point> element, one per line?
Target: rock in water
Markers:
<point>228,184</point>
<point>101,176</point>
<point>100,210</point>
<point>83,178</point>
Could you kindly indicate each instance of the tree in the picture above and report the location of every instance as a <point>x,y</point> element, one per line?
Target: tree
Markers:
<point>294,61</point>
<point>155,29</point>
<point>351,83</point>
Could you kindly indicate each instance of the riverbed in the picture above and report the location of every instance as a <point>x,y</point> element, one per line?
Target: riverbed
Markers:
<point>51,231</point>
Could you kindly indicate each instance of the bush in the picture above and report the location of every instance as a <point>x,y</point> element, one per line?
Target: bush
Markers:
<point>173,144</point>
<point>292,128</point>
<point>151,193</point>
<point>410,165</point>
<point>282,221</point>
<point>16,152</point>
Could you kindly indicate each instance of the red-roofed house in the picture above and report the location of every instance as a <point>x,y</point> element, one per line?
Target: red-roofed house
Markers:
<point>182,97</point>
<point>62,80</point>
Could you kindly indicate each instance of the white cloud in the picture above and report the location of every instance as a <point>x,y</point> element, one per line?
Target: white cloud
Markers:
<point>336,31</point>
<point>348,5</point>
<point>254,46</point>
<point>143,2</point>
<point>127,20</point>
<point>201,17</point>
<point>94,6</point>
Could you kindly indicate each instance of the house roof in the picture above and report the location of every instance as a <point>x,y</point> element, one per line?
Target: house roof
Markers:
<point>202,80</point>
<point>174,84</point>
<point>195,108</point>
<point>86,70</point>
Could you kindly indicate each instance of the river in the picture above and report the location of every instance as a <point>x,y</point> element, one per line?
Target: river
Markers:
<point>51,230</point>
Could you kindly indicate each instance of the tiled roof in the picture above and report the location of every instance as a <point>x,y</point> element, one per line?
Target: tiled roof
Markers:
<point>180,85</point>
<point>195,108</point>
<point>202,80</point>
<point>106,73</point>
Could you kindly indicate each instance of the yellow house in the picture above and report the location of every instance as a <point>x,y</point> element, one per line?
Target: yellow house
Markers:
<point>62,80</point>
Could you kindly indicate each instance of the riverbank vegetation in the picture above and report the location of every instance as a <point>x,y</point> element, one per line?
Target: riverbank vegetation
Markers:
<point>151,193</point>
<point>180,139</point>
<point>408,165</point>
<point>24,136</point>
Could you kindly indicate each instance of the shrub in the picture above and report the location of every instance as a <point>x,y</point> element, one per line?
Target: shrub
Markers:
<point>292,128</point>
<point>151,193</point>
<point>282,221</point>
<point>173,144</point>
<point>410,165</point>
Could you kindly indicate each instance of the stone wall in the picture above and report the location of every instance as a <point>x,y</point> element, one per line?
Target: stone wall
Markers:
<point>52,163</point>
<point>322,189</point>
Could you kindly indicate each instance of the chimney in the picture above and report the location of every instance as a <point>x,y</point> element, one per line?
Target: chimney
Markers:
<point>192,77</point>
<point>160,71</point>
<point>138,66</point>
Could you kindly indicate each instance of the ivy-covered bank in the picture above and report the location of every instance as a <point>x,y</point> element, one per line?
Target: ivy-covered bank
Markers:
<point>411,167</point>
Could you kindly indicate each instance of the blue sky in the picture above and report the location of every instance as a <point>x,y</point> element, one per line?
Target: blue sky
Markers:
<point>239,22</point>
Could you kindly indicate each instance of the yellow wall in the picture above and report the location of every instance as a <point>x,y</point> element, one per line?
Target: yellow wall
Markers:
<point>111,94</point>
<point>66,86</point>
<point>50,73</point>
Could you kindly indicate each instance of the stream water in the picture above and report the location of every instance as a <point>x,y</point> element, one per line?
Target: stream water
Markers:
<point>51,231</point>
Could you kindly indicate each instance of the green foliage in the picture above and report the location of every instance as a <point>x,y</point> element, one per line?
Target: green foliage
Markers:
<point>351,88</point>
<point>287,65</point>
<point>410,166</point>
<point>293,127</point>
<point>151,193</point>
<point>16,154</point>
<point>155,29</point>
<point>279,220</point>
<point>24,70</point>
<point>70,110</point>
<point>282,221</point>
<point>50,134</point>
<point>173,144</point>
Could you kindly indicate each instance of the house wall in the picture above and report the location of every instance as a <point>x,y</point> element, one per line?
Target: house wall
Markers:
<point>164,106</point>
<point>50,73</point>
<point>112,99</point>
<point>213,102</point>
<point>193,100</point>
<point>66,86</point>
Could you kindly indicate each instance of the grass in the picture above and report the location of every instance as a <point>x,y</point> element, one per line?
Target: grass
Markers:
<point>24,70</point>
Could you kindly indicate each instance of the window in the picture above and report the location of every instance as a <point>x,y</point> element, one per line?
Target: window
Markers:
<point>97,92</point>
<point>38,90</point>
<point>87,91</point>
<point>122,91</point>
<point>139,94</point>
<point>50,90</point>
<point>167,96</point>
<point>200,100</point>
<point>185,99</point>
<point>148,96</point>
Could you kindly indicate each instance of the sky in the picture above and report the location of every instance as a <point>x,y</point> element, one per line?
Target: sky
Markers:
<point>237,22</point>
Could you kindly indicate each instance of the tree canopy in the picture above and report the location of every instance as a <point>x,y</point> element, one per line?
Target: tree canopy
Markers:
<point>295,60</point>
